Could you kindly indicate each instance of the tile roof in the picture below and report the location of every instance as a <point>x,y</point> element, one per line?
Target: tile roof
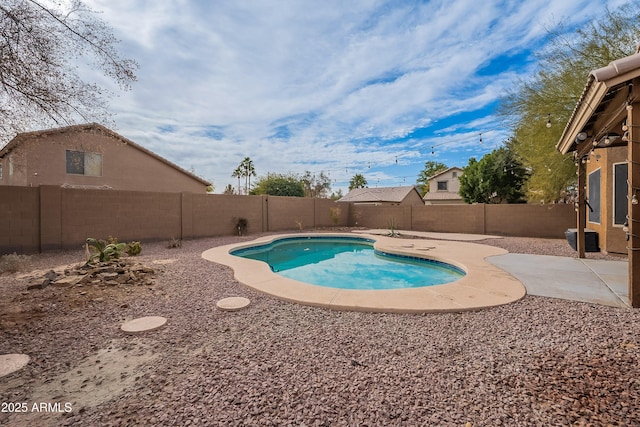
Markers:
<point>442,195</point>
<point>378,194</point>
<point>445,171</point>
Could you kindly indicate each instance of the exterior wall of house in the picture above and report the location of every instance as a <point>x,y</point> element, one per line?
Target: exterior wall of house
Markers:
<point>611,238</point>
<point>448,196</point>
<point>110,163</point>
<point>412,199</point>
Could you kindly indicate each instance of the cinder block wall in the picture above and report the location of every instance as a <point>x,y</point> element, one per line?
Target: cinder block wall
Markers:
<point>450,218</point>
<point>550,221</point>
<point>546,221</point>
<point>286,212</point>
<point>126,215</point>
<point>50,218</point>
<point>207,215</point>
<point>19,219</point>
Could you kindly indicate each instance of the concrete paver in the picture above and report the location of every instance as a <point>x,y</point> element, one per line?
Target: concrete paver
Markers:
<point>593,281</point>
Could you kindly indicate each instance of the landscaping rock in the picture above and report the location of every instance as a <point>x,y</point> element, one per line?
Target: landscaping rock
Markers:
<point>114,273</point>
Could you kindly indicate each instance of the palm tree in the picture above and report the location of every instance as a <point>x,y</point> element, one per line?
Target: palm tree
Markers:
<point>237,174</point>
<point>358,181</point>
<point>247,170</point>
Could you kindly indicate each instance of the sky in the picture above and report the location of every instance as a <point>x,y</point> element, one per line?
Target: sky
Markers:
<point>341,87</point>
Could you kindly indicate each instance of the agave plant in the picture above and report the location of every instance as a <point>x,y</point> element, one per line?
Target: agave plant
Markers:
<point>103,251</point>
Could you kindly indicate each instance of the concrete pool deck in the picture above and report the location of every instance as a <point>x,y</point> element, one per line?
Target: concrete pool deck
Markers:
<point>485,285</point>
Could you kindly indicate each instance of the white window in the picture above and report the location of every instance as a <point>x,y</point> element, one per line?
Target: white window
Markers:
<point>443,185</point>
<point>0,170</point>
<point>454,174</point>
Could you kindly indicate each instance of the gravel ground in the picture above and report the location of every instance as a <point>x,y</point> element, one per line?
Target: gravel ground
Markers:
<point>535,362</point>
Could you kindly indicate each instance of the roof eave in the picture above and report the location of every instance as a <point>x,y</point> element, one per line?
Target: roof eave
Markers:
<point>598,84</point>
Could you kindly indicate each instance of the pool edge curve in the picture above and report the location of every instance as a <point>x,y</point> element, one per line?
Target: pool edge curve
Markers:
<point>484,284</point>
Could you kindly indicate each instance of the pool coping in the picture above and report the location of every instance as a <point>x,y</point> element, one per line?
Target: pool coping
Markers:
<point>484,284</point>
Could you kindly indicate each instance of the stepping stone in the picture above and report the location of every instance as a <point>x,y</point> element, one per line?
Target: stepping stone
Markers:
<point>9,363</point>
<point>233,303</point>
<point>143,324</point>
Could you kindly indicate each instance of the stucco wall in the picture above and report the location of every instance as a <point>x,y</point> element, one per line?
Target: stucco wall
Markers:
<point>41,160</point>
<point>611,237</point>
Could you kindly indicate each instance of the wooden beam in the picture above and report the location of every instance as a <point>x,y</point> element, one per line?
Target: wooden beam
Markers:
<point>633,157</point>
<point>581,219</point>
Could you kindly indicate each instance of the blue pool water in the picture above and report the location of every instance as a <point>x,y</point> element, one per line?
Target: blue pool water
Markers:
<point>348,263</point>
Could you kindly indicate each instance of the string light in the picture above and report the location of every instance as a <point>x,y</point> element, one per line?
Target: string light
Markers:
<point>549,120</point>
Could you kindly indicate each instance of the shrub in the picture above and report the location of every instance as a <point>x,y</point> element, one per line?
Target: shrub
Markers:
<point>241,225</point>
<point>102,251</point>
<point>133,248</point>
<point>12,263</point>
<point>393,227</point>
<point>334,213</point>
<point>174,243</point>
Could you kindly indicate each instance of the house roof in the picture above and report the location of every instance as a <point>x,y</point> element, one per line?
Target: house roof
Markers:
<point>378,194</point>
<point>445,171</point>
<point>607,90</point>
<point>19,138</point>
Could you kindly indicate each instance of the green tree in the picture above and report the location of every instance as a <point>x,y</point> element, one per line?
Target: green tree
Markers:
<point>431,168</point>
<point>229,189</point>
<point>550,96</point>
<point>279,185</point>
<point>498,177</point>
<point>336,195</point>
<point>358,181</point>
<point>42,45</point>
<point>316,186</point>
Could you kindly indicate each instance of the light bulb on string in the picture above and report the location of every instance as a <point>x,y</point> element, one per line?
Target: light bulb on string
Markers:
<point>548,120</point>
<point>480,137</point>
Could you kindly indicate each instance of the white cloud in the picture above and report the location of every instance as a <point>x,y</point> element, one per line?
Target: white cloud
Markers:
<point>329,85</point>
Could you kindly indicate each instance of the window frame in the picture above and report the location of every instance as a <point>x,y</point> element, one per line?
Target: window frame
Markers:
<point>626,194</point>
<point>84,161</point>
<point>594,217</point>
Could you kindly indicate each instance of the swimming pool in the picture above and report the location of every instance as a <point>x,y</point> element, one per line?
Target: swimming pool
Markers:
<point>348,263</point>
<point>484,285</point>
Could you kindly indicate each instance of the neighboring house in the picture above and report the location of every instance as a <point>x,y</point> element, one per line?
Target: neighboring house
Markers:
<point>390,196</point>
<point>444,188</point>
<point>90,156</point>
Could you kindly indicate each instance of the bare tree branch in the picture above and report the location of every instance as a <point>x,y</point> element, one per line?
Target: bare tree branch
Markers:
<point>41,50</point>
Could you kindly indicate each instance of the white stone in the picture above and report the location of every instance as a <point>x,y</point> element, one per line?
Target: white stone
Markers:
<point>143,324</point>
<point>233,303</point>
<point>10,363</point>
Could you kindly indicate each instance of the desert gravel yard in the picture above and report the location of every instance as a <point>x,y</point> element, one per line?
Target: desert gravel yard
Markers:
<point>535,362</point>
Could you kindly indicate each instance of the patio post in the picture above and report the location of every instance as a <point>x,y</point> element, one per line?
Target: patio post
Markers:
<point>581,208</point>
<point>633,157</point>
